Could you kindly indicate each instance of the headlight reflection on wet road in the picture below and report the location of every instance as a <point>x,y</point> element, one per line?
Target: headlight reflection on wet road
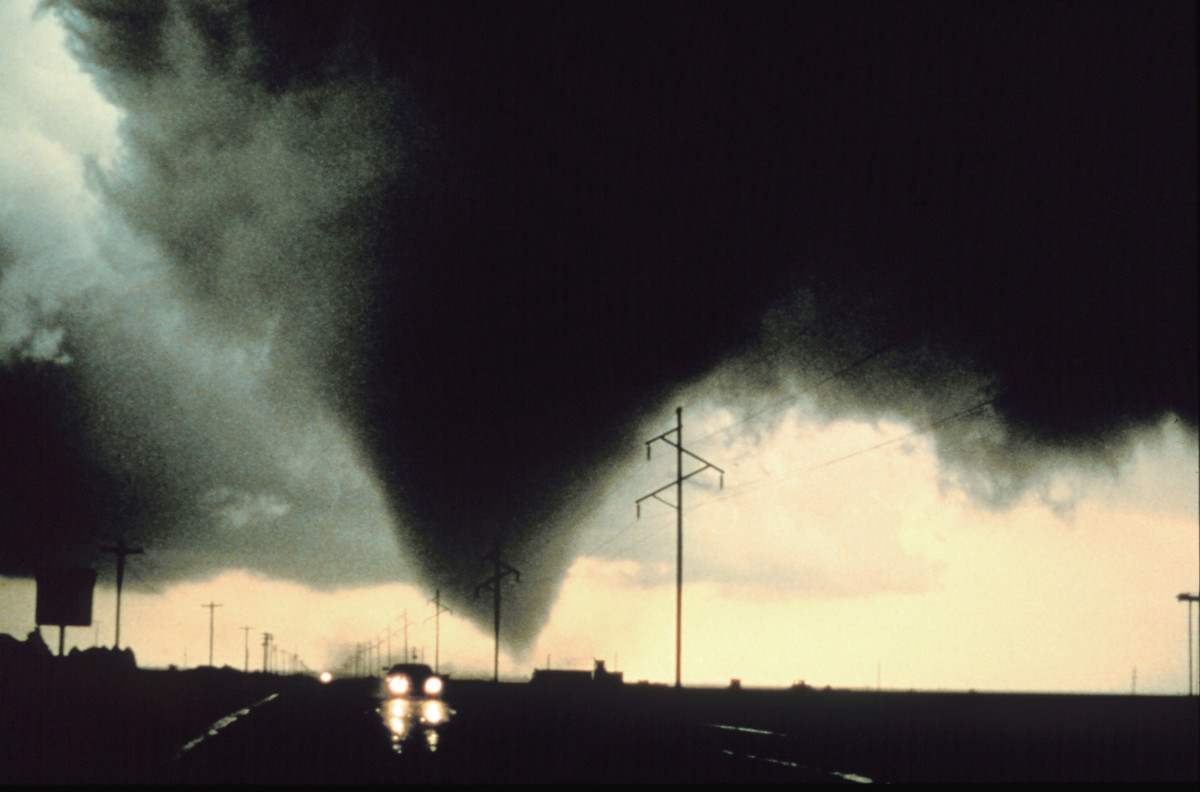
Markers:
<point>414,723</point>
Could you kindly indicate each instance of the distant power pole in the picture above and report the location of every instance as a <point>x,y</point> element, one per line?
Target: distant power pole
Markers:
<point>121,551</point>
<point>266,644</point>
<point>493,584</point>
<point>404,618</point>
<point>390,633</point>
<point>678,507</point>
<point>438,610</point>
<point>246,630</point>
<point>379,642</point>
<point>1189,599</point>
<point>212,609</point>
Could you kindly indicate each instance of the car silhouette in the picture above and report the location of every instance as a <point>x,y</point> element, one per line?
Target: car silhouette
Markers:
<point>412,680</point>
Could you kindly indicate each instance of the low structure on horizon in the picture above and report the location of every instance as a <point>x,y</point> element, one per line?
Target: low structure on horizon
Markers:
<point>561,678</point>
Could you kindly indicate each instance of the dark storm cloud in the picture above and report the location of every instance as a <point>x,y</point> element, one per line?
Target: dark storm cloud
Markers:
<point>604,201</point>
<point>1001,196</point>
<point>205,323</point>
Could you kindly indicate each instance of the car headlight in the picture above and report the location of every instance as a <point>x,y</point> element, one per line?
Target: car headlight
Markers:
<point>433,686</point>
<point>398,684</point>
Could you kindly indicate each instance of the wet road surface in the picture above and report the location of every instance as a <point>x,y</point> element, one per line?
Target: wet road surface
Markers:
<point>478,733</point>
<point>70,725</point>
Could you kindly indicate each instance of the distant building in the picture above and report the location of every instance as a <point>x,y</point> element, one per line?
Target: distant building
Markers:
<point>602,676</point>
<point>558,678</point>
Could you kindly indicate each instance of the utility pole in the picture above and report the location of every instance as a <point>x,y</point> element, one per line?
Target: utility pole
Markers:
<point>121,551</point>
<point>212,609</point>
<point>246,630</point>
<point>390,633</point>
<point>378,655</point>
<point>438,610</point>
<point>404,618</point>
<point>678,507</point>
<point>1189,599</point>
<point>266,644</point>
<point>493,584</point>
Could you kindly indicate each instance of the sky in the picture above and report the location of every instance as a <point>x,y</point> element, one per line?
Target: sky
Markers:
<point>319,305</point>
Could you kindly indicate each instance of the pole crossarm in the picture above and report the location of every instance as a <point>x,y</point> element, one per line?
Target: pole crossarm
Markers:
<point>439,608</point>
<point>491,583</point>
<point>676,445</point>
<point>695,472</point>
<point>502,569</point>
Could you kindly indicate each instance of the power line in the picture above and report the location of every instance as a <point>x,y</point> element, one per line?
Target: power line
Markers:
<point>920,430</point>
<point>773,405</point>
<point>752,486</point>
<point>793,397</point>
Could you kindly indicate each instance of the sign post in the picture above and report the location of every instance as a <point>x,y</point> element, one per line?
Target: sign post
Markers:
<point>64,597</point>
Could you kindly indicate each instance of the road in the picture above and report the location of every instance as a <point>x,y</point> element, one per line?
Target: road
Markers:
<point>478,733</point>
<point>71,722</point>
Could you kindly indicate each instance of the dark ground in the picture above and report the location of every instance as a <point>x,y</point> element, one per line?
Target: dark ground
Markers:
<point>63,723</point>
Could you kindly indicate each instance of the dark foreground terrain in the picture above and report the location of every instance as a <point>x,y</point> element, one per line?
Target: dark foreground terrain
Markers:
<point>71,723</point>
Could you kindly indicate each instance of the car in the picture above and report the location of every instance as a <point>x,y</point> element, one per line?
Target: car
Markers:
<point>413,680</point>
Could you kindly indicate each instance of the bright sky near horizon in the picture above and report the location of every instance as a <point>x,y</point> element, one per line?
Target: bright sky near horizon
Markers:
<point>857,573</point>
<point>837,553</point>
